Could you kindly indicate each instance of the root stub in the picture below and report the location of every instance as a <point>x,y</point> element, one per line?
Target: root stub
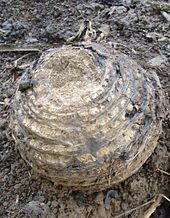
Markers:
<point>91,118</point>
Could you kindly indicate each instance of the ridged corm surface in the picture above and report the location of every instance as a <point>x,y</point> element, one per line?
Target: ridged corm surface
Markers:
<point>91,118</point>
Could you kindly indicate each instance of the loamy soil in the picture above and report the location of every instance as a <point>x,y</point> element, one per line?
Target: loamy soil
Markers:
<point>137,28</point>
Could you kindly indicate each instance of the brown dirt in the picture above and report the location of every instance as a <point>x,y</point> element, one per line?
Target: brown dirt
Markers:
<point>137,26</point>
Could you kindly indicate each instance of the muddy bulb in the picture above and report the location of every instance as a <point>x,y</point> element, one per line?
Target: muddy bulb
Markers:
<point>91,119</point>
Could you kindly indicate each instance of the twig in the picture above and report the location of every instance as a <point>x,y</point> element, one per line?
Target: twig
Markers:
<point>90,32</point>
<point>133,209</point>
<point>78,34</point>
<point>17,199</point>
<point>152,208</point>
<point>2,31</point>
<point>165,197</point>
<point>148,213</point>
<point>17,48</point>
<point>162,171</point>
<point>148,49</point>
<point>18,61</point>
<point>115,43</point>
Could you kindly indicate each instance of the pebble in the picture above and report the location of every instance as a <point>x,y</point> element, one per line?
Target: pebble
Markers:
<point>157,61</point>
<point>166,16</point>
<point>40,198</point>
<point>54,203</point>
<point>88,12</point>
<point>31,40</point>
<point>96,6</point>
<point>56,13</point>
<point>99,198</point>
<point>2,3</point>
<point>55,211</point>
<point>17,186</point>
<point>36,208</point>
<point>2,136</point>
<point>5,204</point>
<point>127,2</point>
<point>168,47</point>
<point>105,29</point>
<point>102,211</point>
<point>2,210</point>
<point>7,26</point>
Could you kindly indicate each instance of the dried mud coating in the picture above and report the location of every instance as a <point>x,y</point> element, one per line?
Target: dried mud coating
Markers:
<point>91,118</point>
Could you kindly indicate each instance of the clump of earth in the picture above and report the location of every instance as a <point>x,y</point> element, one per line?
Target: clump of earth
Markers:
<point>138,30</point>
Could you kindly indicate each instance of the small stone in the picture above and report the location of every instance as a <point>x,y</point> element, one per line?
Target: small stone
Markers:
<point>55,211</point>
<point>150,37</point>
<point>127,2</point>
<point>118,10</point>
<point>168,47</point>
<point>2,210</point>
<point>166,16</point>
<point>124,206</point>
<point>105,29</point>
<point>7,25</point>
<point>56,12</point>
<point>9,93</point>
<point>49,203</point>
<point>31,40</point>
<point>62,206</point>
<point>6,101</point>
<point>5,204</point>
<point>96,6</point>
<point>88,12</point>
<point>2,136</point>
<point>17,186</point>
<point>102,211</point>
<point>99,198</point>
<point>157,61</point>
<point>2,3</point>
<point>54,203</point>
<point>36,208</point>
<point>24,85</point>
<point>39,198</point>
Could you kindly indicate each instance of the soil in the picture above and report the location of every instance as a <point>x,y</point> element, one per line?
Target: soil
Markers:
<point>135,28</point>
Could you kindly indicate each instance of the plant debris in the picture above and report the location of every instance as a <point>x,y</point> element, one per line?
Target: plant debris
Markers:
<point>18,48</point>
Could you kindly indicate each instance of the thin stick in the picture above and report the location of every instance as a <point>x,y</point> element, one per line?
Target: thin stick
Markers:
<point>152,208</point>
<point>133,209</point>
<point>116,43</point>
<point>16,62</point>
<point>2,31</point>
<point>162,171</point>
<point>17,48</point>
<point>90,32</point>
<point>78,34</point>
<point>165,197</point>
